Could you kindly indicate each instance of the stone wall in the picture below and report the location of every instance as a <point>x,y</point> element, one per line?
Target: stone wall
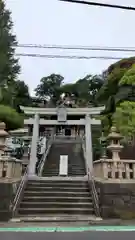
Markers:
<point>7,194</point>
<point>117,200</point>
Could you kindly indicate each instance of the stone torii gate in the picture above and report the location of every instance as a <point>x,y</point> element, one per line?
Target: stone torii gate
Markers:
<point>61,113</point>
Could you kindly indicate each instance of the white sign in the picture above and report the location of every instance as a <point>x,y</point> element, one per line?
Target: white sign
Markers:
<point>63,167</point>
<point>62,114</point>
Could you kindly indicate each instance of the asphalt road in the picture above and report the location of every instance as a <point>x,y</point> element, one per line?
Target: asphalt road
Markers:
<point>67,236</point>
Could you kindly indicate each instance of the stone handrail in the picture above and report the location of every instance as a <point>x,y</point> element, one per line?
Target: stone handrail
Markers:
<point>91,183</point>
<point>110,169</point>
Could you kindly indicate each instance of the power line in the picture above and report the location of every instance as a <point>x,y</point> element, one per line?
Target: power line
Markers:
<point>68,47</point>
<point>67,56</point>
<point>100,4</point>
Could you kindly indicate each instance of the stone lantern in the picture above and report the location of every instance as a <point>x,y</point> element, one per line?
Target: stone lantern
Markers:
<point>115,147</point>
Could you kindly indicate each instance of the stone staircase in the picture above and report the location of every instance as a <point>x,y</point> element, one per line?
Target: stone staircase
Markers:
<point>56,199</point>
<point>76,164</point>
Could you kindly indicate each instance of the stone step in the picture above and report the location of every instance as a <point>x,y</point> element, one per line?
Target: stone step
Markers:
<point>76,165</point>
<point>69,175</point>
<point>49,172</point>
<point>57,188</point>
<point>34,211</point>
<point>58,183</point>
<point>59,218</point>
<point>57,193</point>
<point>75,169</point>
<point>53,204</point>
<point>57,199</point>
<point>69,170</point>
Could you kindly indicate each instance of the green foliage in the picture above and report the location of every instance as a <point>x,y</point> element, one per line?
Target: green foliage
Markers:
<point>82,91</point>
<point>119,86</point>
<point>124,118</point>
<point>11,118</point>
<point>49,87</point>
<point>116,73</point>
<point>10,94</point>
<point>21,94</point>
<point>125,63</point>
<point>87,89</point>
<point>9,67</point>
<point>110,86</point>
<point>128,78</point>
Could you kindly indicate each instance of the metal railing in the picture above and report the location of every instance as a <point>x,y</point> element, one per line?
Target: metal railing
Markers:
<point>24,177</point>
<point>43,158</point>
<point>19,191</point>
<point>92,186</point>
<point>42,161</point>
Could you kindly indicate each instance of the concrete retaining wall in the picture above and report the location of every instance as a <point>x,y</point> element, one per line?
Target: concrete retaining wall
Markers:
<point>117,200</point>
<point>7,194</point>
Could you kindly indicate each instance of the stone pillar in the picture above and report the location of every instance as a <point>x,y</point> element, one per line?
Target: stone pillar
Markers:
<point>88,142</point>
<point>33,154</point>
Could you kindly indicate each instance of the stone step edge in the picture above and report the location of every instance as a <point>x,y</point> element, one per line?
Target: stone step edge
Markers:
<point>56,219</point>
<point>57,203</point>
<point>58,198</point>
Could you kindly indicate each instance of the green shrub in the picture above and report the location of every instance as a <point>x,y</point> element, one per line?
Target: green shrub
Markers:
<point>10,117</point>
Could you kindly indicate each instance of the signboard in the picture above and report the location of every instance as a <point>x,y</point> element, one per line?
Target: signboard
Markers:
<point>63,167</point>
<point>61,114</point>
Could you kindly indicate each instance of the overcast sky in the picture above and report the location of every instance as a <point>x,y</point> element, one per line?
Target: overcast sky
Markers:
<point>54,22</point>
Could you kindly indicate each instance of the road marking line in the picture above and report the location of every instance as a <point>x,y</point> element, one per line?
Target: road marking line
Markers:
<point>74,229</point>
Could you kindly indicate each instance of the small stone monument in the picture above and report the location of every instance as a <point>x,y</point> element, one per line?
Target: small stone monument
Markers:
<point>3,136</point>
<point>115,147</point>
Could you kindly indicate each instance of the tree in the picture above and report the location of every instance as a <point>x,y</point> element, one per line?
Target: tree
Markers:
<point>49,87</point>
<point>126,86</point>
<point>124,118</point>
<point>83,91</point>
<point>9,67</point>
<point>112,77</point>
<point>21,94</point>
<point>11,118</point>
<point>112,92</point>
<point>16,94</point>
<point>87,89</point>
<point>120,107</point>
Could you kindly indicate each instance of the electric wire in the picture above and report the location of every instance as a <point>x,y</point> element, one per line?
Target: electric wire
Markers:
<point>77,47</point>
<point>67,56</point>
<point>100,4</point>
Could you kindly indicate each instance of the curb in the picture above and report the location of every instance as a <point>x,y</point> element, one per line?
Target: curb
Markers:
<point>75,229</point>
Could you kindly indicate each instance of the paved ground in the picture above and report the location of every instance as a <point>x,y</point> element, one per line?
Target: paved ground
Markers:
<point>68,236</point>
